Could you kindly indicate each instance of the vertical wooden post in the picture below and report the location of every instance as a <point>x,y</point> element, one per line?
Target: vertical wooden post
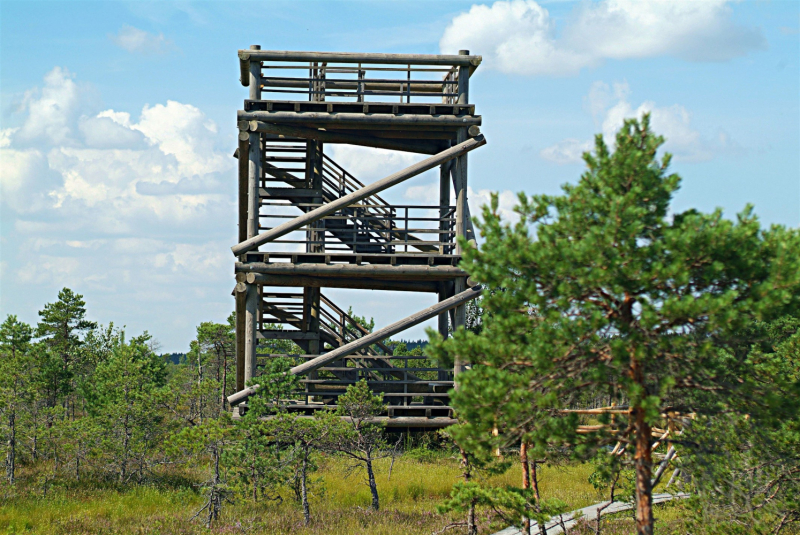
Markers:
<point>444,206</point>
<point>255,76</point>
<point>313,319</point>
<point>244,180</point>
<point>254,171</point>
<point>240,339</point>
<point>251,301</point>
<point>442,375</point>
<point>315,235</point>
<point>460,181</point>
<point>251,326</point>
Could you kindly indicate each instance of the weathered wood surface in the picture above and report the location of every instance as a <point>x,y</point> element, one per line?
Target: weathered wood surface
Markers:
<point>417,86</point>
<point>663,466</point>
<point>570,519</point>
<point>338,282</point>
<point>405,421</point>
<point>372,338</point>
<point>448,60</point>
<point>251,328</point>
<point>419,147</point>
<point>254,78</point>
<point>358,195</point>
<point>244,165</point>
<point>385,120</point>
<point>253,175</point>
<point>377,271</point>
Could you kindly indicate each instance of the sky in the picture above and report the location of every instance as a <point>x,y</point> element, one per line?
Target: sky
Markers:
<point>118,122</point>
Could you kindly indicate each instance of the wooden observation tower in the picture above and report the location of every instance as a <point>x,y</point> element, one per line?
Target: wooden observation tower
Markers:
<point>307,224</point>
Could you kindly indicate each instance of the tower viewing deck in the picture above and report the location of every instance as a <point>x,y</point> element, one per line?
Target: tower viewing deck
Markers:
<point>307,224</point>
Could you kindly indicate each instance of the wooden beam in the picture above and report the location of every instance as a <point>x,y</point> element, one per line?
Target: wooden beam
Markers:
<point>385,120</point>
<point>420,147</point>
<point>337,282</point>
<point>447,60</point>
<point>244,164</point>
<point>254,78</point>
<point>287,335</point>
<point>353,85</point>
<point>375,271</point>
<point>240,337</point>
<point>372,338</point>
<point>251,327</point>
<point>402,421</point>
<point>358,195</point>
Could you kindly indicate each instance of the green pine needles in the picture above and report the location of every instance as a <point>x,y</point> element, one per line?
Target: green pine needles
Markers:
<point>603,293</point>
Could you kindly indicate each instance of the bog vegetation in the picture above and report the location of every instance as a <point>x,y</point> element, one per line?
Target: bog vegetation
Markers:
<point>621,350</point>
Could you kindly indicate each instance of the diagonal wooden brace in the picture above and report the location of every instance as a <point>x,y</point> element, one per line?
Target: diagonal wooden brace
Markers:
<point>372,338</point>
<point>359,195</point>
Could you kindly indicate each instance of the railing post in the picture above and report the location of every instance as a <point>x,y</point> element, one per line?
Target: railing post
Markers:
<point>408,86</point>
<point>360,87</point>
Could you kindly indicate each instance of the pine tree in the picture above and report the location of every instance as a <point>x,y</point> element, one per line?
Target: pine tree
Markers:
<point>15,369</point>
<point>122,398</point>
<point>61,325</point>
<point>362,439</point>
<point>601,290</point>
<point>304,436</point>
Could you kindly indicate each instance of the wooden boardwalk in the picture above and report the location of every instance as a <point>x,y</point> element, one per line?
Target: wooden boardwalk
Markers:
<point>569,520</point>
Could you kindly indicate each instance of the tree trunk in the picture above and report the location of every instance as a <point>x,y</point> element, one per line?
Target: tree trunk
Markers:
<point>214,497</point>
<point>35,444</point>
<point>11,453</point>
<point>642,462</point>
<point>526,482</point>
<point>373,487</point>
<point>472,528</point>
<point>255,480</point>
<point>224,379</point>
<point>304,488</point>
<point>123,469</point>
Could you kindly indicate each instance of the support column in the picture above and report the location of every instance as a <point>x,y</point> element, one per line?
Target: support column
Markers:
<point>254,155</point>
<point>311,298</point>
<point>444,207</point>
<point>444,237</point>
<point>251,304</point>
<point>251,327</point>
<point>443,375</point>
<point>316,232</point>
<point>241,298</point>
<point>460,182</point>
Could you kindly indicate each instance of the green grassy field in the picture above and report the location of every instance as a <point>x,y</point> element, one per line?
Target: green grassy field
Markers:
<point>339,504</point>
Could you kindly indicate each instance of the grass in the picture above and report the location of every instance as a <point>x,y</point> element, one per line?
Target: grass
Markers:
<point>339,503</point>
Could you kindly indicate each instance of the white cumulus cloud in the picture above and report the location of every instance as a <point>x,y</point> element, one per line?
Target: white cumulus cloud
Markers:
<point>521,37</point>
<point>135,208</point>
<point>140,41</point>
<point>369,164</point>
<point>51,110</point>
<point>427,194</point>
<point>610,106</point>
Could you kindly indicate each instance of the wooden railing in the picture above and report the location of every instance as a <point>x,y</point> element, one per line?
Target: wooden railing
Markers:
<point>362,82</point>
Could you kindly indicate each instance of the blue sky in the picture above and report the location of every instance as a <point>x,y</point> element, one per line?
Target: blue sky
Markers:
<point>118,125</point>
